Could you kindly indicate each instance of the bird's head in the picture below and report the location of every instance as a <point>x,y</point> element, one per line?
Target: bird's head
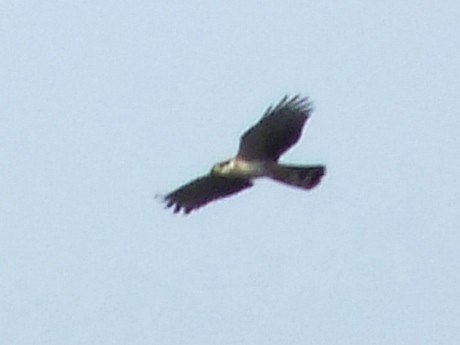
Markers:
<point>223,168</point>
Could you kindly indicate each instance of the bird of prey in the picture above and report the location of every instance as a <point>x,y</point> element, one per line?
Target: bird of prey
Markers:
<point>260,148</point>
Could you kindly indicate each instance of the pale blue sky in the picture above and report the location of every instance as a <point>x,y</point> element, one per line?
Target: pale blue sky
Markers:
<point>106,103</point>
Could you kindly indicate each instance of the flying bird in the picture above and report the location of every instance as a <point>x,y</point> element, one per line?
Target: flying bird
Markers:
<point>260,148</point>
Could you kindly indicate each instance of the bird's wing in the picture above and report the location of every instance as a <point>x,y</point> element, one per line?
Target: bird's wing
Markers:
<point>203,190</point>
<point>278,129</point>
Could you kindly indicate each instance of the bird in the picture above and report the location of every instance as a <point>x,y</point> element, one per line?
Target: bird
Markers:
<point>260,148</point>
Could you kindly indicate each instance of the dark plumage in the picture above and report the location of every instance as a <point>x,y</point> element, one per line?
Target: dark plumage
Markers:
<point>203,190</point>
<point>278,129</point>
<point>260,148</point>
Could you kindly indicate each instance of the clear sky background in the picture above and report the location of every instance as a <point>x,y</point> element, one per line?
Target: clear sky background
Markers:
<point>106,103</point>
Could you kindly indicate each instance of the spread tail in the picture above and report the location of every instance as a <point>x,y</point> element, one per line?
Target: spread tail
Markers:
<point>306,177</point>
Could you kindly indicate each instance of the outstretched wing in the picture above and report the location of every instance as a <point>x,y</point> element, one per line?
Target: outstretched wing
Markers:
<point>279,129</point>
<point>203,190</point>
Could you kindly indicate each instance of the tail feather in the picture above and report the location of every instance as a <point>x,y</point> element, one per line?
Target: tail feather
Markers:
<point>306,177</point>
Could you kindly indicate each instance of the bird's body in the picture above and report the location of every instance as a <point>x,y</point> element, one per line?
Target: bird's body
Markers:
<point>258,154</point>
<point>299,176</point>
<point>238,167</point>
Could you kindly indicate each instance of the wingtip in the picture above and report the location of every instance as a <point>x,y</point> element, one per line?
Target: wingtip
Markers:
<point>298,102</point>
<point>176,207</point>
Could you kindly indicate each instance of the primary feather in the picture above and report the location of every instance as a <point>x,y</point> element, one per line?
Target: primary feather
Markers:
<point>278,129</point>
